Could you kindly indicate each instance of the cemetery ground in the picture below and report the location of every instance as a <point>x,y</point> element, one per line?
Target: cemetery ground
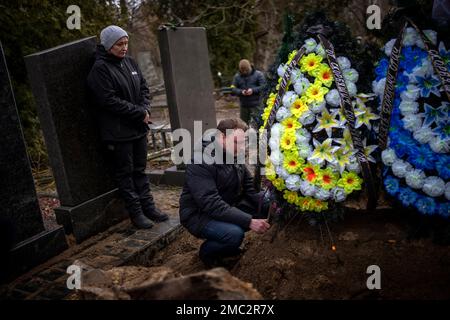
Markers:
<point>296,262</point>
<point>291,261</point>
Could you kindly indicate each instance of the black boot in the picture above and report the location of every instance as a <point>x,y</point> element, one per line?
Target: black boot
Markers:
<point>156,215</point>
<point>140,221</point>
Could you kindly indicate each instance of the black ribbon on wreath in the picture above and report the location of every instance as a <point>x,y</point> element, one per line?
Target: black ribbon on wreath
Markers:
<point>391,79</point>
<point>357,140</point>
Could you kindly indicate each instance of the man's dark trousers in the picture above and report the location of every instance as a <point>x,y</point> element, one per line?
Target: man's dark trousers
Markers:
<point>223,239</point>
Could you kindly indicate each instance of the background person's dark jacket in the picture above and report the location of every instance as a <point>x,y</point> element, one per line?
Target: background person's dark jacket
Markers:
<point>121,96</point>
<point>256,81</point>
<point>211,192</point>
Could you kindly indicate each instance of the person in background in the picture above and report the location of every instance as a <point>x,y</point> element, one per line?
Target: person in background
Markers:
<point>122,99</point>
<point>248,84</point>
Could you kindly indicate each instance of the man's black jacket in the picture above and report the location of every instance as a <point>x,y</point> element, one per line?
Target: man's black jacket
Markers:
<point>211,192</point>
<point>121,96</point>
<point>256,81</point>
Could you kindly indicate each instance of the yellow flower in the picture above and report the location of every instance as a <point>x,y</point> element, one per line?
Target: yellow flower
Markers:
<point>341,158</point>
<point>291,124</point>
<point>350,181</point>
<point>279,83</point>
<point>270,171</point>
<point>271,100</point>
<point>288,140</point>
<point>299,107</point>
<point>291,57</point>
<point>327,179</point>
<point>267,110</point>
<point>326,122</point>
<point>316,92</point>
<point>290,196</point>
<point>310,63</point>
<point>318,205</point>
<point>311,204</point>
<point>310,172</point>
<point>324,75</point>
<point>292,162</point>
<point>304,203</point>
<point>266,113</point>
<point>278,183</point>
<point>323,151</point>
<point>346,141</point>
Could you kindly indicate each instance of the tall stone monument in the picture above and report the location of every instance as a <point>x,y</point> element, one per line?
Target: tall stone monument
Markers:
<point>188,83</point>
<point>18,201</point>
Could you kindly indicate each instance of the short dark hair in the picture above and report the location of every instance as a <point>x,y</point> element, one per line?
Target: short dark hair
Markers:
<point>231,124</point>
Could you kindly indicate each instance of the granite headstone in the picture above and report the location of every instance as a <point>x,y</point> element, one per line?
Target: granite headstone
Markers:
<point>19,205</point>
<point>188,82</point>
<point>89,199</point>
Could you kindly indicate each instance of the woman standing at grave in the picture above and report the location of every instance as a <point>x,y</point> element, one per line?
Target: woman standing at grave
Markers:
<point>121,95</point>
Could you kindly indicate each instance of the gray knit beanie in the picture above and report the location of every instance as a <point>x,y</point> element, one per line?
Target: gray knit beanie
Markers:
<point>110,35</point>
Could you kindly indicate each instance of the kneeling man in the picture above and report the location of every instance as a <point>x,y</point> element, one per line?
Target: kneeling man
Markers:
<point>219,202</point>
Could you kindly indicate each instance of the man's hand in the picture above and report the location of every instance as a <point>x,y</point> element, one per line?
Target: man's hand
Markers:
<point>147,118</point>
<point>247,92</point>
<point>259,225</point>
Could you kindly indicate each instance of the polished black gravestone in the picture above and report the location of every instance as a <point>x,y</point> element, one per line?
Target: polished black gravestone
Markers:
<point>89,199</point>
<point>188,83</point>
<point>18,201</point>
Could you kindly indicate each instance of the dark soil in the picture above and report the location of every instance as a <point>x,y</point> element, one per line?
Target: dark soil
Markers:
<point>300,264</point>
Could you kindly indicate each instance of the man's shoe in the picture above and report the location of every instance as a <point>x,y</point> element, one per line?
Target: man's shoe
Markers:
<point>224,262</point>
<point>156,215</point>
<point>230,262</point>
<point>210,262</point>
<point>141,222</point>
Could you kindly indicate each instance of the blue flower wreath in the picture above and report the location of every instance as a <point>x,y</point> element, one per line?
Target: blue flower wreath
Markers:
<point>417,117</point>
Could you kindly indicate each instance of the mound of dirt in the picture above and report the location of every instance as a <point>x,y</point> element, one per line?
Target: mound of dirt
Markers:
<point>140,283</point>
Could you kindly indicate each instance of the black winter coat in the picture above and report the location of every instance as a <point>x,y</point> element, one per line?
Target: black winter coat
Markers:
<point>121,96</point>
<point>256,81</point>
<point>211,192</point>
